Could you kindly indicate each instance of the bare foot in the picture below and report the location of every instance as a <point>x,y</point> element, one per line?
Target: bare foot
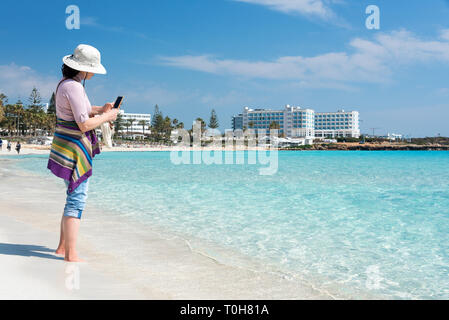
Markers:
<point>60,251</point>
<point>73,259</point>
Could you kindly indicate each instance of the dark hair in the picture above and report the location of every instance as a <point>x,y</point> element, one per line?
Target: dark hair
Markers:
<point>68,72</point>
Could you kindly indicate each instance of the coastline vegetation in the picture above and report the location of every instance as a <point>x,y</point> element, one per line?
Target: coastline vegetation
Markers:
<point>19,121</point>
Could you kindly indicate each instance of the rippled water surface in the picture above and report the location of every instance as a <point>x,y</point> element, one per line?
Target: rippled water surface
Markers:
<point>373,222</point>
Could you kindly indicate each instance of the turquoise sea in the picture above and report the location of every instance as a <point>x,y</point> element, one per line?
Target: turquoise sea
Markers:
<point>361,224</point>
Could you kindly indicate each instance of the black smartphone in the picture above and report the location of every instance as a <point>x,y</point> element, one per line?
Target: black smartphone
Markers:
<point>118,102</point>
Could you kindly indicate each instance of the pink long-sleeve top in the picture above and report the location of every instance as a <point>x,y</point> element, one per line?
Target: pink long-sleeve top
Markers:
<point>72,103</point>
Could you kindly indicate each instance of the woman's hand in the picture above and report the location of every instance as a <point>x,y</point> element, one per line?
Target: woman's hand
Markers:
<point>108,106</point>
<point>111,115</point>
<point>95,122</point>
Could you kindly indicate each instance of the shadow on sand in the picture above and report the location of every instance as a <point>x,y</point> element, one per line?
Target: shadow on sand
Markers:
<point>27,250</point>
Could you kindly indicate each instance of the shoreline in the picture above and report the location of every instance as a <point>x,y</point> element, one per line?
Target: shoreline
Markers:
<point>37,149</point>
<point>148,262</point>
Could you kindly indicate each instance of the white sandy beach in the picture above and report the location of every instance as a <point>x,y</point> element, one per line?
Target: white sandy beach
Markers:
<point>125,261</point>
<point>39,149</point>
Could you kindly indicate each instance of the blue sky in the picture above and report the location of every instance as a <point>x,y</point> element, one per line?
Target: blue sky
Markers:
<point>189,56</point>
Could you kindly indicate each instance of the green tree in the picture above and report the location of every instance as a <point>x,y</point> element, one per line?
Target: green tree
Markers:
<point>213,121</point>
<point>275,125</point>
<point>158,127</point>
<point>129,123</point>
<point>27,120</point>
<point>49,122</point>
<point>167,129</point>
<point>3,99</point>
<point>2,114</point>
<point>142,123</point>
<point>14,114</point>
<point>177,125</point>
<point>118,124</point>
<point>52,105</point>
<point>35,97</point>
<point>155,115</point>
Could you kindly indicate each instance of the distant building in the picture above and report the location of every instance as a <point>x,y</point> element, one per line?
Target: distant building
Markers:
<point>337,124</point>
<point>292,121</point>
<point>296,122</point>
<point>392,137</point>
<point>135,127</point>
<point>237,122</point>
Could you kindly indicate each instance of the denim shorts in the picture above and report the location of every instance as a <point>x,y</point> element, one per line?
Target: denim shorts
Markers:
<point>76,200</point>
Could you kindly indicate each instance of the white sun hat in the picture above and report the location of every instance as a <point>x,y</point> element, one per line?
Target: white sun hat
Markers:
<point>85,58</point>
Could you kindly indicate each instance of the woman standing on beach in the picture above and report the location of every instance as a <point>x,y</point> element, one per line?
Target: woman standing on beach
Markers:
<point>75,143</point>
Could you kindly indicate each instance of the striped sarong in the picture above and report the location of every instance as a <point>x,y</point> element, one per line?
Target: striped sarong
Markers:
<point>72,152</point>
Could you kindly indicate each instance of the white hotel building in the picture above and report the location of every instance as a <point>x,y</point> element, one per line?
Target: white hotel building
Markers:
<point>337,124</point>
<point>296,122</point>
<point>136,127</point>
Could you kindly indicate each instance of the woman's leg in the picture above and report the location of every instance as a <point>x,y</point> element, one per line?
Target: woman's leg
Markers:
<point>61,245</point>
<point>71,227</point>
<point>73,210</point>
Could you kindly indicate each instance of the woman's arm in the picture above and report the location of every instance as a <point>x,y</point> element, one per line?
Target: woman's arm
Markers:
<point>95,122</point>
<point>97,110</point>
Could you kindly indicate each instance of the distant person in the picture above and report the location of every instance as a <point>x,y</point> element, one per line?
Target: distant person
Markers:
<point>1,144</point>
<point>75,143</point>
<point>18,147</point>
<point>8,146</point>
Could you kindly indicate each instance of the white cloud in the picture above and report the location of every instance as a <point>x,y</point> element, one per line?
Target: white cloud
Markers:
<point>305,7</point>
<point>93,22</point>
<point>19,81</point>
<point>444,34</point>
<point>89,21</point>
<point>368,61</point>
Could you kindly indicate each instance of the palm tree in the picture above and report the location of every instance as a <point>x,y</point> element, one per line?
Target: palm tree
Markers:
<point>167,127</point>
<point>275,125</point>
<point>40,120</point>
<point>27,120</point>
<point>18,112</point>
<point>131,123</point>
<point>128,123</point>
<point>3,99</point>
<point>142,123</point>
<point>2,113</point>
<point>50,122</point>
<point>10,125</point>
